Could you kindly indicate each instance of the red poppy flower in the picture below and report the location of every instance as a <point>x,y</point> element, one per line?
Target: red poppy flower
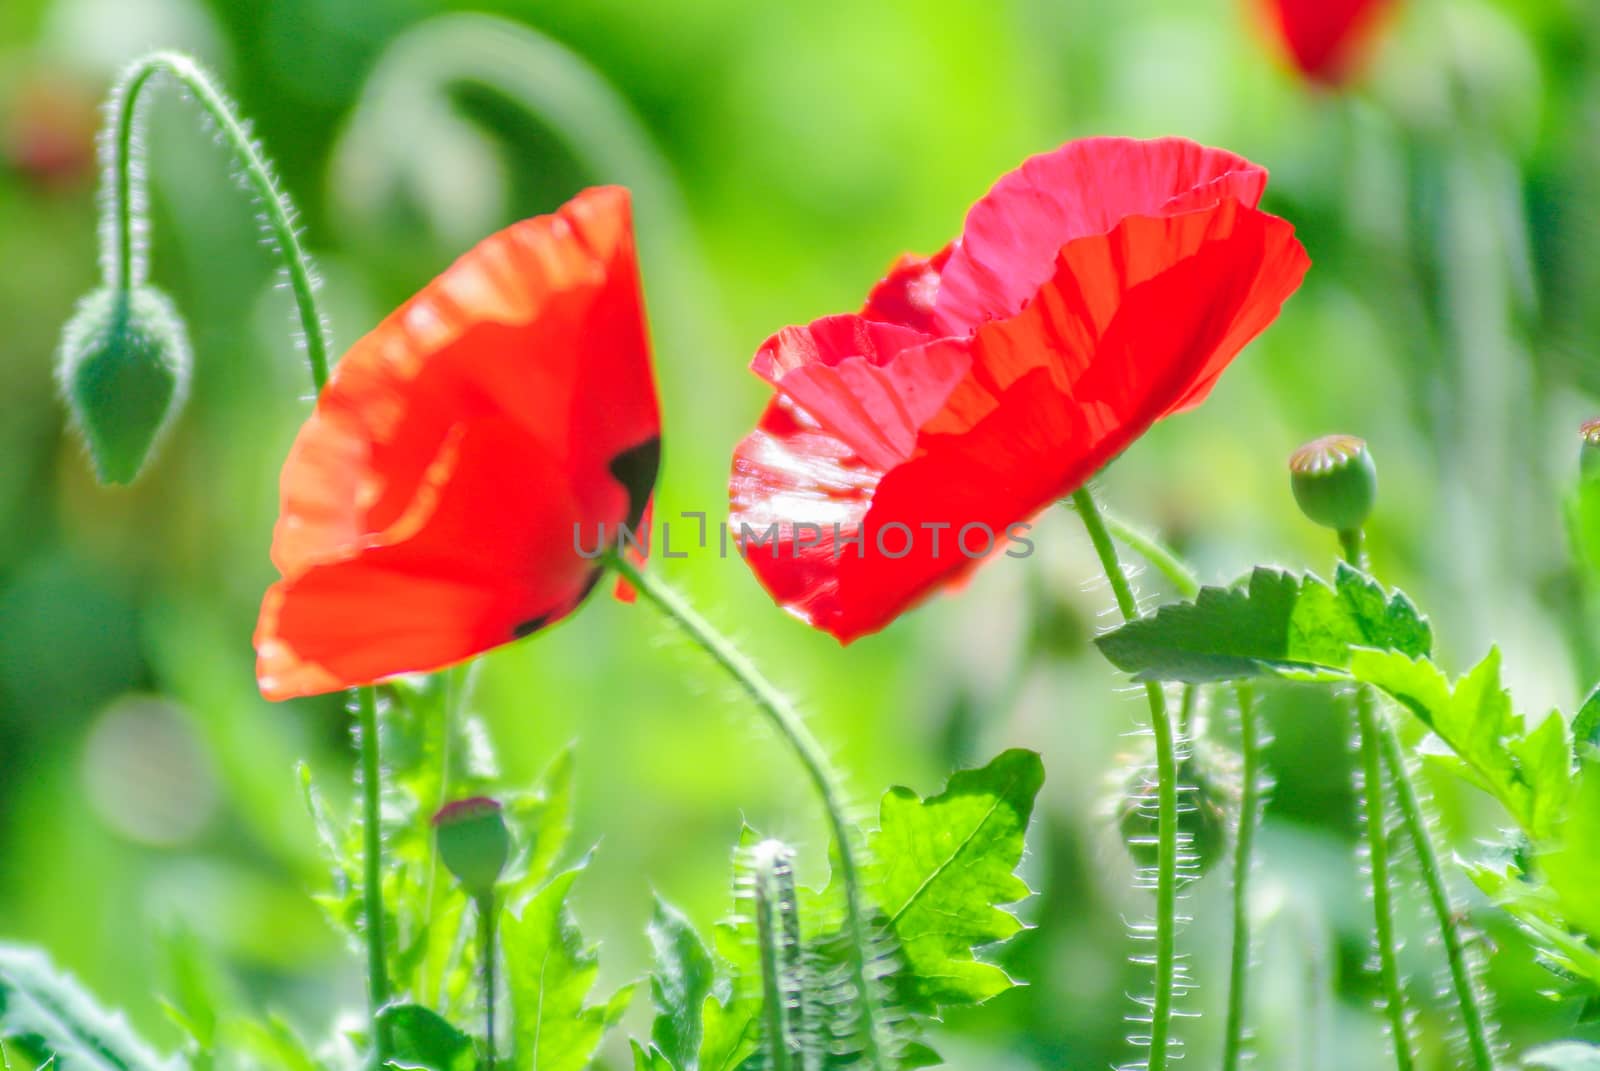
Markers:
<point>1323,38</point>
<point>1093,291</point>
<point>434,504</point>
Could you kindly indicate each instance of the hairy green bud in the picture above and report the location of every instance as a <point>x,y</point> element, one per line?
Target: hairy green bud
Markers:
<point>123,368</point>
<point>1335,481</point>
<point>474,843</point>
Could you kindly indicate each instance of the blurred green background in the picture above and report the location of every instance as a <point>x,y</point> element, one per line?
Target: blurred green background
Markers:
<point>782,155</point>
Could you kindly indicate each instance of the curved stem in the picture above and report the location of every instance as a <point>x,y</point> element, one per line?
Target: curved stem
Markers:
<point>125,267</point>
<point>1165,560</point>
<point>1167,796</point>
<point>1243,860</point>
<point>1367,718</point>
<point>1473,1019</point>
<point>771,702</point>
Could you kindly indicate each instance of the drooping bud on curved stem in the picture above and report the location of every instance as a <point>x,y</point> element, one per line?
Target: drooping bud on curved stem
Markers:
<point>1335,482</point>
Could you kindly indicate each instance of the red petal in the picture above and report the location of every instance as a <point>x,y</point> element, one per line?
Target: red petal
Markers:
<point>1132,325</point>
<point>1009,243</point>
<point>428,504</point>
<point>1324,38</point>
<point>906,295</point>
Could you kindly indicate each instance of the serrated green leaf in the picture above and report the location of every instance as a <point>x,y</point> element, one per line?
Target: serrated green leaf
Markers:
<point>551,973</point>
<point>1563,1056</point>
<point>422,1040</point>
<point>1530,773</point>
<point>679,984</point>
<point>42,1004</point>
<point>1277,623</point>
<point>1586,723</point>
<point>1571,863</point>
<point>942,870</point>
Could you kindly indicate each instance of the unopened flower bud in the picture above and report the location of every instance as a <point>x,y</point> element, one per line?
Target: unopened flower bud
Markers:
<point>123,368</point>
<point>1335,481</point>
<point>474,843</point>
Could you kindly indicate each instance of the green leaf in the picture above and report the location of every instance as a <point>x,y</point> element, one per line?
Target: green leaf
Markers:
<point>273,1043</point>
<point>422,1039</point>
<point>942,869</point>
<point>1563,1056</point>
<point>679,985</point>
<point>551,973</point>
<point>1277,623</point>
<point>50,1011</point>
<point>1529,772</point>
<point>1586,723</point>
<point>1571,863</point>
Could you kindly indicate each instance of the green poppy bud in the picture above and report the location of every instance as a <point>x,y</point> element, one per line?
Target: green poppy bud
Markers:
<point>123,368</point>
<point>1335,481</point>
<point>474,843</point>
<point>1209,792</point>
<point>1589,452</point>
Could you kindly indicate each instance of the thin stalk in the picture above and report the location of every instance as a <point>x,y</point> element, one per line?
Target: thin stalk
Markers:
<point>486,958</point>
<point>1473,1019</point>
<point>1367,716</point>
<point>781,713</point>
<point>372,862</point>
<point>1165,560</point>
<point>1243,861</point>
<point>1166,799</point>
<point>126,268</point>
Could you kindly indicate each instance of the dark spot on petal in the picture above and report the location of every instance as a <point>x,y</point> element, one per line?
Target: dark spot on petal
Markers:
<point>534,624</point>
<point>635,468</point>
<point>530,626</point>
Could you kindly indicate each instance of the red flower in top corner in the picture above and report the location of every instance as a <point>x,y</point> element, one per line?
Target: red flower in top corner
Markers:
<point>1323,38</point>
<point>1093,291</point>
<point>434,504</point>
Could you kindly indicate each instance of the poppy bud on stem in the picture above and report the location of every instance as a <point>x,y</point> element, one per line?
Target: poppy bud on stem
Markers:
<point>1335,482</point>
<point>475,845</point>
<point>124,377</point>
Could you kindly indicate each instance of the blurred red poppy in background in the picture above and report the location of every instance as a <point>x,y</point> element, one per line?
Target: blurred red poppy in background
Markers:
<point>434,504</point>
<point>1324,39</point>
<point>1093,291</point>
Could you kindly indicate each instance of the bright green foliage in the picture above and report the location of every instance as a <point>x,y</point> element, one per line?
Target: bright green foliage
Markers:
<point>551,974</point>
<point>942,870</point>
<point>700,1023</point>
<point>1277,623</point>
<point>48,1015</point>
<point>421,1039</point>
<point>1528,771</point>
<point>1563,1056</point>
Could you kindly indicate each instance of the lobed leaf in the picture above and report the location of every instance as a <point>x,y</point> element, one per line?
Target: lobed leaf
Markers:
<point>942,870</point>
<point>51,1013</point>
<point>422,1040</point>
<point>551,972</point>
<point>1277,622</point>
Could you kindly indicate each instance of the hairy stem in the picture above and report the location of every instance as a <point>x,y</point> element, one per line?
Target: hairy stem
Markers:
<point>778,938</point>
<point>1167,796</point>
<point>1165,560</point>
<point>1473,1019</point>
<point>1243,861</point>
<point>1367,716</point>
<point>486,956</point>
<point>781,713</point>
<point>125,266</point>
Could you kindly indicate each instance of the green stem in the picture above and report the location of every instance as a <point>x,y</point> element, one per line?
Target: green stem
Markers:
<point>781,713</point>
<point>486,957</point>
<point>1473,1019</point>
<point>1165,560</point>
<point>1367,716</point>
<point>1167,796</point>
<point>1243,861</point>
<point>1352,545</point>
<point>372,860</point>
<point>125,268</point>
